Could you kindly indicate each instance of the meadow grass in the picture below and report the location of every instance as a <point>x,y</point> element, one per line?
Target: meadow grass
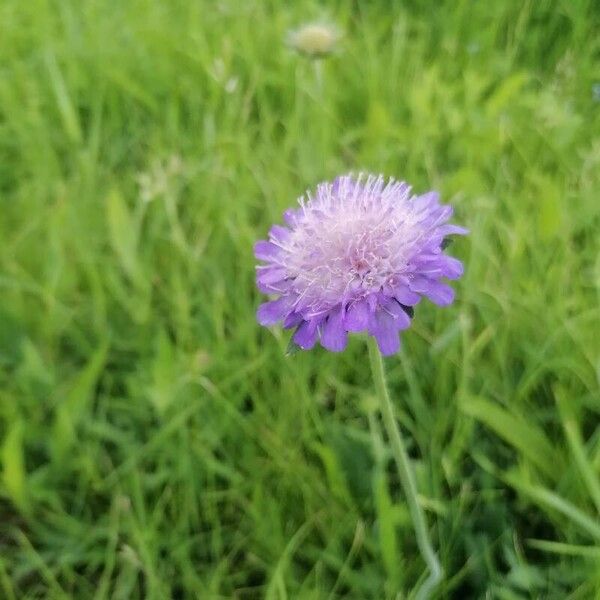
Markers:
<point>154,441</point>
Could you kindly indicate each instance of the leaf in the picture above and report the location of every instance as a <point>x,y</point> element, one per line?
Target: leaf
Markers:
<point>505,92</point>
<point>353,454</point>
<point>12,336</point>
<point>276,588</point>
<point>75,402</point>
<point>522,435</point>
<point>548,499</point>
<point>123,235</point>
<point>292,348</point>
<point>131,87</point>
<point>164,374</point>
<point>576,445</point>
<point>565,549</point>
<point>387,522</point>
<point>33,373</point>
<point>550,218</point>
<point>13,465</point>
<point>64,103</point>
<point>378,120</point>
<point>333,471</point>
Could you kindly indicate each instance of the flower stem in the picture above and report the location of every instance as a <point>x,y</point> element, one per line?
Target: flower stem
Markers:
<point>318,65</point>
<point>406,474</point>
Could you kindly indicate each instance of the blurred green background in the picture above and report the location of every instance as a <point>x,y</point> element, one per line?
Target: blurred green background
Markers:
<point>154,441</point>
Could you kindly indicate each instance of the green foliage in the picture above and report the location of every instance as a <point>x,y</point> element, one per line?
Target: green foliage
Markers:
<point>154,441</point>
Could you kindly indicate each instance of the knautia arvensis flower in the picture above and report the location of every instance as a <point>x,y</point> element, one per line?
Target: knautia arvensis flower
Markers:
<point>357,255</point>
<point>315,40</point>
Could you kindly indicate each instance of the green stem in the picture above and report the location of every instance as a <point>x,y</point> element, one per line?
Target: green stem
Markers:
<point>318,65</point>
<point>407,477</point>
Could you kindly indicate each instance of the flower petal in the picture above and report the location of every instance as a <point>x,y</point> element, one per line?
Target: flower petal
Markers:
<point>439,293</point>
<point>426,201</point>
<point>292,320</point>
<point>357,316</point>
<point>270,274</point>
<point>270,313</point>
<point>333,334</point>
<point>451,267</point>
<point>279,233</point>
<point>385,330</point>
<point>450,229</point>
<point>306,334</point>
<point>400,316</point>
<point>264,250</point>
<point>290,216</point>
<point>267,276</point>
<point>406,296</point>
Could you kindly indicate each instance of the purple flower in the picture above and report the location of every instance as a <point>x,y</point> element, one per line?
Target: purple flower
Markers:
<point>356,256</point>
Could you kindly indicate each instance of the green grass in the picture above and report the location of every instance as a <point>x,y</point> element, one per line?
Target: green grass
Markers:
<point>154,441</point>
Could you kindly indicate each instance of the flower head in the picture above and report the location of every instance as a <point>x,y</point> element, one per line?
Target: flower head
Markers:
<point>356,256</point>
<point>314,40</point>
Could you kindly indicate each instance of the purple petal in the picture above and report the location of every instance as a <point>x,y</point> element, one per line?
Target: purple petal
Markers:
<point>451,267</point>
<point>425,201</point>
<point>384,329</point>
<point>306,334</point>
<point>279,233</point>
<point>292,320</point>
<point>406,296</point>
<point>291,216</point>
<point>333,335</point>
<point>336,185</point>
<point>401,319</point>
<point>279,287</point>
<point>270,313</point>
<point>439,293</point>
<point>264,250</point>
<point>373,301</point>
<point>357,316</point>
<point>267,275</point>
<point>450,229</point>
